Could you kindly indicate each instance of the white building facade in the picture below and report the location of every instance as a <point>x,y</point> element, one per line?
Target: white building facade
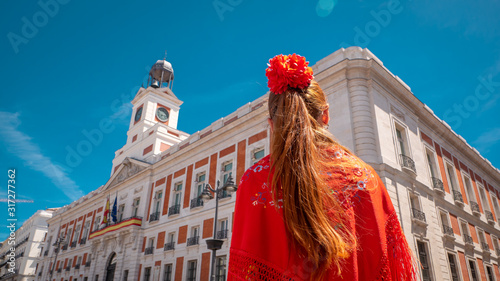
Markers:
<point>446,194</point>
<point>28,241</point>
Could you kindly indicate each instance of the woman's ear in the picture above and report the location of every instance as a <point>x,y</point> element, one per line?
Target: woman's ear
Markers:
<point>325,117</point>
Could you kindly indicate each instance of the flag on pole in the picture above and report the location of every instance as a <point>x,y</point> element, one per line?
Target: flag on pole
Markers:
<point>106,212</point>
<point>114,210</point>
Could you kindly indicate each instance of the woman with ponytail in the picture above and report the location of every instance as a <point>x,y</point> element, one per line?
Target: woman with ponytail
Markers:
<point>312,210</point>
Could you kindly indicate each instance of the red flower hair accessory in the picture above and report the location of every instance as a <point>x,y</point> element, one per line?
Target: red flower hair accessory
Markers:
<point>288,71</point>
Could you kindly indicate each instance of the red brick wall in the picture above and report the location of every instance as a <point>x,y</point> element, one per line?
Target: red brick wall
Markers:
<point>179,264</point>
<point>454,224</point>
<point>472,230</point>
<point>161,240</point>
<point>240,162</point>
<point>182,234</point>
<point>201,163</point>
<point>208,227</point>
<point>187,196</point>
<point>227,151</point>
<point>213,170</point>
<point>179,173</point>
<point>442,168</point>
<point>205,266</point>
<point>463,266</point>
<point>166,197</point>
<point>257,137</point>
<point>481,269</point>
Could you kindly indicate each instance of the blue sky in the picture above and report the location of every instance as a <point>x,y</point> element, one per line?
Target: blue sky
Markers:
<point>67,65</point>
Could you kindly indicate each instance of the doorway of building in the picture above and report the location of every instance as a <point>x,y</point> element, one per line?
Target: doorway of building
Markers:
<point>110,269</point>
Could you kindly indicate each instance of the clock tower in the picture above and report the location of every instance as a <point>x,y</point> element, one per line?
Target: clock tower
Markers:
<point>153,125</point>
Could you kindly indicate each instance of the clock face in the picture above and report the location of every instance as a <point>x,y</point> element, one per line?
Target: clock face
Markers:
<point>162,114</point>
<point>138,114</point>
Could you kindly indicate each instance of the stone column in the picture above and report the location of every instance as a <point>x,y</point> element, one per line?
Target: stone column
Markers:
<point>361,110</point>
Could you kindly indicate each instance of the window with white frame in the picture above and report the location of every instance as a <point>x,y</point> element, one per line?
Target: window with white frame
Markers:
<point>452,180</point>
<point>401,140</point>
<point>470,194</point>
<point>473,270</point>
<point>416,210</point>
<point>445,223</point>
<point>257,154</point>
<point>77,234</point>
<point>121,210</point>
<point>200,183</point>
<point>466,233</point>
<point>97,222</point>
<point>431,163</point>
<point>424,260</point>
<point>167,272</point>
<point>227,171</point>
<point>222,229</point>
<point>177,194</point>
<point>220,268</point>
<point>494,239</point>
<point>157,201</point>
<point>68,235</point>
<point>191,274</point>
<point>85,230</point>
<point>484,200</point>
<point>496,208</point>
<point>195,235</point>
<point>170,245</point>
<point>135,207</point>
<point>482,240</point>
<point>489,273</point>
<point>452,261</point>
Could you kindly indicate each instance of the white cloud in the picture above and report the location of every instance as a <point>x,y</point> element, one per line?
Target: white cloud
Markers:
<point>21,145</point>
<point>487,140</point>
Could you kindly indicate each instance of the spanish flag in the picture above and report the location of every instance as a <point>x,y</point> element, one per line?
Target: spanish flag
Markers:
<point>106,213</point>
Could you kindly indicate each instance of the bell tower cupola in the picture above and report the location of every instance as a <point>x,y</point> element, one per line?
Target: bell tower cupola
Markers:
<point>153,124</point>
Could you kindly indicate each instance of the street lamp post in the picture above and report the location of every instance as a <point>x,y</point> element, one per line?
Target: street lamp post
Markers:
<point>216,244</point>
<point>58,242</point>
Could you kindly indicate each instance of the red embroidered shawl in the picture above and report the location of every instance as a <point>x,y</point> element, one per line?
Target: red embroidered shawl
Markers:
<point>260,247</point>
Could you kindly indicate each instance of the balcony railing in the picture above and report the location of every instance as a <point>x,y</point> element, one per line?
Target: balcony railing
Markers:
<point>149,250</point>
<point>468,240</point>
<point>196,202</point>
<point>169,246</point>
<point>489,216</point>
<point>46,253</point>
<point>73,244</point>
<point>437,184</point>
<point>154,216</point>
<point>419,215</point>
<point>174,210</point>
<point>40,273</point>
<point>457,196</point>
<point>475,207</point>
<point>83,241</point>
<point>408,163</point>
<point>68,268</point>
<point>65,247</point>
<point>222,234</point>
<point>448,230</point>
<point>485,246</point>
<point>111,223</point>
<point>87,264</point>
<point>59,270</point>
<point>192,240</point>
<point>77,266</point>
